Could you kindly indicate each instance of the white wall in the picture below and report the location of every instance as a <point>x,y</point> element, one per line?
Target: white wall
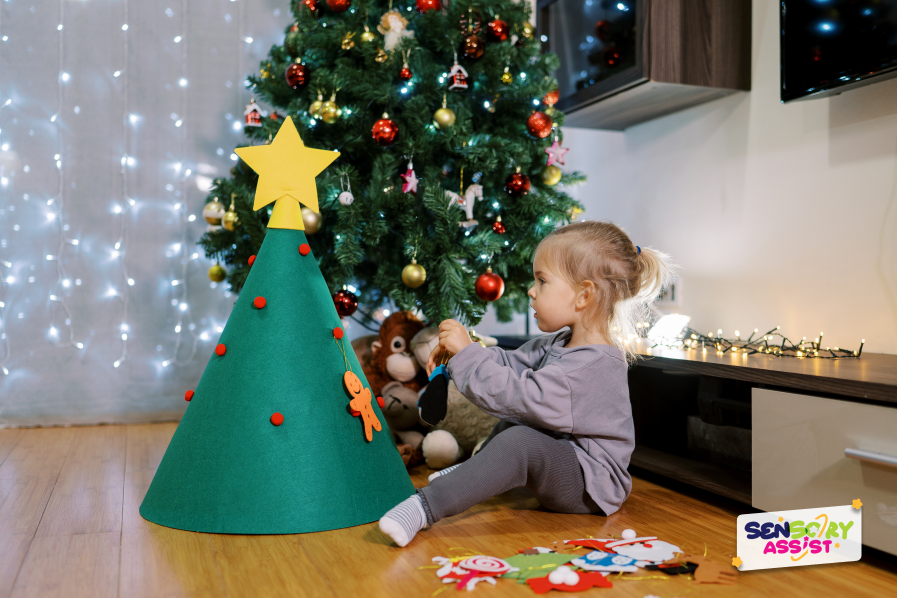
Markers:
<point>778,214</point>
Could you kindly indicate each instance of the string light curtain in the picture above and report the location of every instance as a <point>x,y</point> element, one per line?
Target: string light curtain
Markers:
<point>115,115</point>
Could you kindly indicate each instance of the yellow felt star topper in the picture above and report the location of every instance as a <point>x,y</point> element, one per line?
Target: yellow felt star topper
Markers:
<point>287,171</point>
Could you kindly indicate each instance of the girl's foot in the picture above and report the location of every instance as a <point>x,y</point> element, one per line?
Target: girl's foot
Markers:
<point>435,475</point>
<point>403,521</point>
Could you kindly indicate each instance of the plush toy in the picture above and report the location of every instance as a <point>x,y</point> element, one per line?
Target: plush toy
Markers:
<point>391,359</point>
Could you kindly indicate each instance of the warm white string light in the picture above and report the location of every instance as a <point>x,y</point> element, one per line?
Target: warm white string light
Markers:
<point>60,290</point>
<point>121,247</point>
<point>181,305</point>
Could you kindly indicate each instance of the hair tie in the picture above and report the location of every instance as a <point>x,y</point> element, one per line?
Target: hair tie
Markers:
<point>638,250</point>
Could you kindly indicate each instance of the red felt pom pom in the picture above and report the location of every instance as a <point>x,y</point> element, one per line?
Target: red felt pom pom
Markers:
<point>277,419</point>
<point>220,349</point>
<point>259,302</point>
<point>539,125</point>
<point>338,332</point>
<point>384,131</point>
<point>425,5</point>
<point>354,413</point>
<point>188,395</point>
<point>251,260</point>
<point>304,249</point>
<point>381,402</point>
<point>339,5</point>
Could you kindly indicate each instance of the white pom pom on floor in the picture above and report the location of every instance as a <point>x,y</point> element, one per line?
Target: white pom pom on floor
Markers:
<point>563,575</point>
<point>628,534</point>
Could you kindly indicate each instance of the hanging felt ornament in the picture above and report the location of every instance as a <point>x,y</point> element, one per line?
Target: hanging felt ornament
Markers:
<point>252,115</point>
<point>346,198</point>
<point>433,403</point>
<point>410,178</point>
<point>360,397</point>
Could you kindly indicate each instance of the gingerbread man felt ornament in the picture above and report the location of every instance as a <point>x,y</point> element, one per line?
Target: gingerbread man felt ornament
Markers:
<point>361,403</point>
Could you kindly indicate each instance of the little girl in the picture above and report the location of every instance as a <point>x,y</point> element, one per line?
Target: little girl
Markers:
<point>566,431</point>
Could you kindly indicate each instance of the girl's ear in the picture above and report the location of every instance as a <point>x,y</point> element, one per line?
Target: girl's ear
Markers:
<point>585,295</point>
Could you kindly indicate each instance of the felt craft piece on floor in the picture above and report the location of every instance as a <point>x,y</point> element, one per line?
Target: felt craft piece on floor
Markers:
<point>536,565</point>
<point>682,568</point>
<point>601,561</point>
<point>645,549</point>
<point>708,572</point>
<point>541,585</point>
<point>231,467</point>
<point>594,543</point>
<point>433,403</point>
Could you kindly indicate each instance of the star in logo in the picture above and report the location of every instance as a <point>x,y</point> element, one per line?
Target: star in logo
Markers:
<point>556,153</point>
<point>410,178</point>
<point>781,519</point>
<point>837,545</point>
<point>736,562</point>
<point>857,503</point>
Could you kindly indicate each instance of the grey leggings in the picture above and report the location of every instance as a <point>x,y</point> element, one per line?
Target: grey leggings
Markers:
<point>514,457</point>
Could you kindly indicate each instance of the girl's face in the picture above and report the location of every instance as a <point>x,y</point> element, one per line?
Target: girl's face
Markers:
<point>553,299</point>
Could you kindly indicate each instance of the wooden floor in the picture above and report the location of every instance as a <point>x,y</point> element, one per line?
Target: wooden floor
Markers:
<point>69,527</point>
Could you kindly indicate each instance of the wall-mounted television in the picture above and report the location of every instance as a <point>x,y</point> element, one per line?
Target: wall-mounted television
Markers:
<point>831,46</point>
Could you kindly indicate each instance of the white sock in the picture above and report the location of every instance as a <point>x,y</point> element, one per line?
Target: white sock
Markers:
<point>435,475</point>
<point>403,521</point>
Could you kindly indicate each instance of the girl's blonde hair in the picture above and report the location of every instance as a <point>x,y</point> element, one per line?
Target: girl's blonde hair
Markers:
<point>627,279</point>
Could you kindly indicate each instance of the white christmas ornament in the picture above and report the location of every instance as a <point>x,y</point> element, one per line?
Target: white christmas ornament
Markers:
<point>473,193</point>
<point>394,27</point>
<point>346,198</point>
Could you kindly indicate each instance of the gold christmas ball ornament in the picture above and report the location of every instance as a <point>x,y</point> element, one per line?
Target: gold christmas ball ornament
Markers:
<point>528,30</point>
<point>444,118</point>
<point>414,275</point>
<point>368,35</point>
<point>213,212</point>
<point>312,221</point>
<point>217,273</point>
<point>506,77</point>
<point>551,175</point>
<point>231,221</point>
<point>330,112</point>
<point>314,110</point>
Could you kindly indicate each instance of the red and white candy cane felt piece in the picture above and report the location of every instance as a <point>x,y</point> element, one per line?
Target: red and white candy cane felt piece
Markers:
<point>613,545</point>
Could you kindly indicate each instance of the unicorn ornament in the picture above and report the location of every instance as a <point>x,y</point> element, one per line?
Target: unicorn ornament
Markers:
<point>473,193</point>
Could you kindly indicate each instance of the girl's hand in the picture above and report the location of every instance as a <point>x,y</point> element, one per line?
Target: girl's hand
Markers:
<point>452,338</point>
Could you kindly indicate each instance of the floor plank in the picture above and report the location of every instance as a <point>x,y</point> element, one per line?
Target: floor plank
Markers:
<point>158,562</point>
<point>146,446</point>
<point>39,454</point>
<point>87,498</point>
<point>9,437</point>
<point>82,566</point>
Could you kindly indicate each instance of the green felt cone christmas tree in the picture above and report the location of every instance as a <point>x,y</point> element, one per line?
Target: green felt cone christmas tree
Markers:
<point>282,435</point>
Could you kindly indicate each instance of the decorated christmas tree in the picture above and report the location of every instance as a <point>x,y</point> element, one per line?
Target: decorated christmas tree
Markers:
<point>282,435</point>
<point>450,153</point>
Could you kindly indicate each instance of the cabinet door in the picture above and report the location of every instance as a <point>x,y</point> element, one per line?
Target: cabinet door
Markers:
<point>799,459</point>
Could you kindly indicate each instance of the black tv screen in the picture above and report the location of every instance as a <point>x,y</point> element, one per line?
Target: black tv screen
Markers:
<point>830,46</point>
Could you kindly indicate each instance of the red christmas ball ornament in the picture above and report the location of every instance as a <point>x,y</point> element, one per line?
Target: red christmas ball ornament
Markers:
<point>405,74</point>
<point>385,130</point>
<point>539,125</point>
<point>345,303</point>
<point>297,75</point>
<point>612,56</point>
<point>517,184</point>
<point>425,5</point>
<point>489,286</point>
<point>602,30</point>
<point>497,30</point>
<point>498,227</point>
<point>551,98</point>
<point>312,6</point>
<point>473,47</point>
<point>339,5</point>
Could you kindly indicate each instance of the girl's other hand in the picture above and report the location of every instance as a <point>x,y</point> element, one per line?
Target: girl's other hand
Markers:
<point>453,336</point>
<point>434,359</point>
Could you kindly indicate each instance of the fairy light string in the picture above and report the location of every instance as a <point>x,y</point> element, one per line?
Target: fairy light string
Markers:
<point>121,247</point>
<point>771,342</point>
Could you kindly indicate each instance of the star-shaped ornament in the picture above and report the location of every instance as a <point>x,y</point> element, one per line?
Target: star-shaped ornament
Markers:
<point>410,178</point>
<point>736,562</point>
<point>287,171</point>
<point>857,503</point>
<point>556,153</point>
